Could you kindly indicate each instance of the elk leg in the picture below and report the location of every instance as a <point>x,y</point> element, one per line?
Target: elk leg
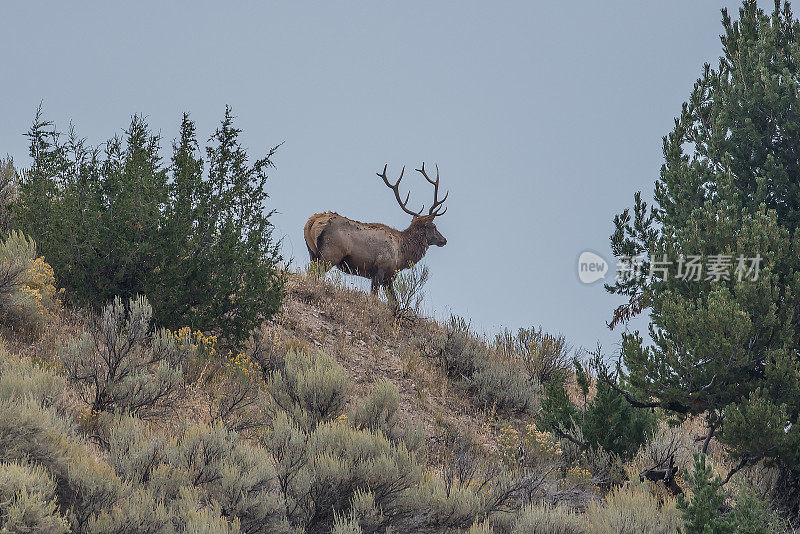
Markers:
<point>390,294</point>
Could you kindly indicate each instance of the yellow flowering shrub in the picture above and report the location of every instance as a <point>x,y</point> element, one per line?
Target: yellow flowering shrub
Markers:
<point>207,360</point>
<point>508,445</point>
<point>578,474</point>
<point>41,284</point>
<point>242,366</point>
<point>529,447</point>
<point>196,341</point>
<point>202,349</point>
<point>541,445</point>
<point>28,292</point>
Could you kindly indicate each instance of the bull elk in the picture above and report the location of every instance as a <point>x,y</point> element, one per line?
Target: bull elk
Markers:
<point>374,250</point>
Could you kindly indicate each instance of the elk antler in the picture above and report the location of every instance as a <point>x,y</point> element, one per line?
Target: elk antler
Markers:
<point>397,192</point>
<point>436,203</point>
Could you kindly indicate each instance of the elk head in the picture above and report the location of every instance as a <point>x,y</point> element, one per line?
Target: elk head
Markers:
<point>422,223</point>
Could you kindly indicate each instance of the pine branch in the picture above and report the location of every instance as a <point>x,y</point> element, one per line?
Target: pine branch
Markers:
<point>743,463</point>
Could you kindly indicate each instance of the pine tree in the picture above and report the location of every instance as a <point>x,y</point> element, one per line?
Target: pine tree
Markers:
<point>726,347</point>
<point>703,514</point>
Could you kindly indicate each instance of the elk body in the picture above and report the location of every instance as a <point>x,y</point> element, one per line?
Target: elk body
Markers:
<point>374,250</point>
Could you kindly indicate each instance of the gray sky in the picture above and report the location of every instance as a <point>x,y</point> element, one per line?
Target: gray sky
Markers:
<point>544,118</point>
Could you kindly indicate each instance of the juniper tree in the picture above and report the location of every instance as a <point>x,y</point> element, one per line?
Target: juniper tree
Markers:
<point>192,234</point>
<point>219,226</point>
<point>727,347</point>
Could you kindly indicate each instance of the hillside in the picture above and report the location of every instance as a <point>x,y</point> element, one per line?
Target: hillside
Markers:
<point>364,336</point>
<point>411,425</point>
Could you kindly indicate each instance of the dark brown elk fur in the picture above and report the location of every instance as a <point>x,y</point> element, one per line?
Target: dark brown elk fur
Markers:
<point>374,250</point>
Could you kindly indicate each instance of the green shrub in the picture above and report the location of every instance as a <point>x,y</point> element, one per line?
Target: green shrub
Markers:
<point>632,511</point>
<point>27,500</point>
<point>361,472</point>
<point>9,192</point>
<point>121,364</point>
<point>607,422</point>
<point>193,235</point>
<point>193,514</point>
<point>500,386</point>
<point>88,488</point>
<point>541,519</point>
<point>238,479</point>
<point>484,527</point>
<point>288,445</point>
<point>317,471</point>
<point>365,513</point>
<point>612,424</point>
<point>133,452</point>
<point>240,403</point>
<point>460,351</point>
<point>703,514</point>
<point>492,381</point>
<point>343,525</point>
<point>544,356</point>
<point>85,487</point>
<point>23,379</point>
<point>195,479</point>
<point>29,431</point>
<point>311,388</point>
<point>343,461</point>
<point>706,513</point>
<point>378,410</point>
<point>752,515</point>
<point>139,511</point>
<point>408,287</point>
<point>431,508</point>
<point>337,476</point>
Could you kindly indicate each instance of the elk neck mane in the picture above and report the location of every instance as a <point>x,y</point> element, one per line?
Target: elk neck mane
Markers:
<point>414,245</point>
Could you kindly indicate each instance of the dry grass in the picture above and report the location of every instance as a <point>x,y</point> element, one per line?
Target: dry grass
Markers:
<point>371,344</point>
<point>66,323</point>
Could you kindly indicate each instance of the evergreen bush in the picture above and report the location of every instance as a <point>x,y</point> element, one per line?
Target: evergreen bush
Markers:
<point>707,512</point>
<point>607,422</point>
<point>193,235</point>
